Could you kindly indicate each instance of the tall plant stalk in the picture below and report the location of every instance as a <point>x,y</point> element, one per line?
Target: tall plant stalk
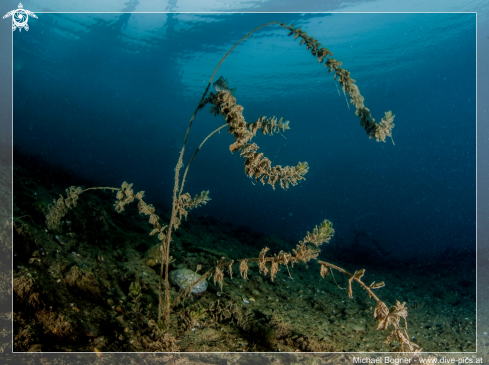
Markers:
<point>165,252</point>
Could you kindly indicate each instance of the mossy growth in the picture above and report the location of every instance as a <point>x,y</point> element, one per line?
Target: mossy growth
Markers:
<point>84,281</point>
<point>153,256</point>
<point>58,324</point>
<point>24,286</point>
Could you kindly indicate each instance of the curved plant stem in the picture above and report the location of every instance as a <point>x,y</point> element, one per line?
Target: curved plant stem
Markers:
<point>343,271</point>
<point>214,74</point>
<point>195,154</point>
<point>102,188</point>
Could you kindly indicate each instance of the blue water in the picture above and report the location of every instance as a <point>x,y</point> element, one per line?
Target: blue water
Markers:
<point>109,97</point>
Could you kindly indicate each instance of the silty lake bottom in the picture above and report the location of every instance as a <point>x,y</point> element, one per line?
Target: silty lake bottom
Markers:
<point>92,284</point>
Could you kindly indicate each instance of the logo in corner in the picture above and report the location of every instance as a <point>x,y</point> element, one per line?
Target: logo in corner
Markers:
<point>20,17</point>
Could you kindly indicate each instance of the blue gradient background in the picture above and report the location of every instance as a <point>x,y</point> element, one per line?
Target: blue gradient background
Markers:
<point>109,96</point>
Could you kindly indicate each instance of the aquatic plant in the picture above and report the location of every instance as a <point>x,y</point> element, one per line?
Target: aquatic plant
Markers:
<point>260,168</point>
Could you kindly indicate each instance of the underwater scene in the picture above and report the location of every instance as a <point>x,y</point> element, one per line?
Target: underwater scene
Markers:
<point>245,182</point>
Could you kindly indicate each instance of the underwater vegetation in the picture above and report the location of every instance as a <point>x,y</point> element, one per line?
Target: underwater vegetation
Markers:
<point>134,306</point>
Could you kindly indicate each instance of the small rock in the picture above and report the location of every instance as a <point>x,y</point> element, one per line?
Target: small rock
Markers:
<point>184,277</point>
